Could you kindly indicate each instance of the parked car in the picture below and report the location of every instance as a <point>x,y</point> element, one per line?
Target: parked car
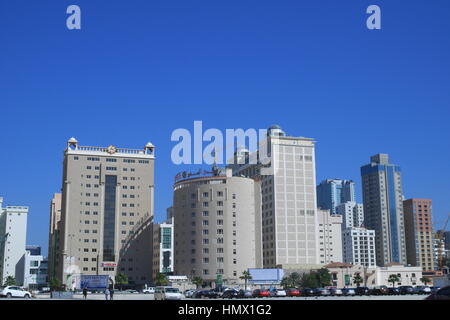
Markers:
<point>362,291</point>
<point>189,293</point>
<point>243,294</point>
<point>321,292</point>
<point>336,292</point>
<point>230,294</point>
<point>379,291</point>
<point>406,290</point>
<point>167,293</point>
<point>131,291</point>
<point>260,293</point>
<point>277,292</point>
<point>14,291</point>
<point>422,290</point>
<point>348,292</point>
<point>441,294</point>
<point>434,289</point>
<point>210,294</point>
<point>148,290</point>
<point>393,291</point>
<point>308,292</point>
<point>292,292</point>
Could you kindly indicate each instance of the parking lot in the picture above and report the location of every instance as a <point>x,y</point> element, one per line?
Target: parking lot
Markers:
<point>140,296</point>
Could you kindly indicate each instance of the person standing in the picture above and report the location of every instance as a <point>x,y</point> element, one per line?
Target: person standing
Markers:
<point>85,293</point>
<point>106,293</point>
<point>111,294</point>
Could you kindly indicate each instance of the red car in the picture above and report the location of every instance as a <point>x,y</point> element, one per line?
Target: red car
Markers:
<point>293,292</point>
<point>259,293</point>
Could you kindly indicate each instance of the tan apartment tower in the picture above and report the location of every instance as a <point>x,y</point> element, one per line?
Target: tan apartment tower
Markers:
<point>217,227</point>
<point>419,233</point>
<point>106,209</point>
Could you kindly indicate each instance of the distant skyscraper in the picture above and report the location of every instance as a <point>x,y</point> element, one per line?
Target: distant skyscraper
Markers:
<point>419,233</point>
<point>352,214</point>
<point>383,208</point>
<point>106,212</point>
<point>333,192</point>
<point>289,211</point>
<point>13,231</point>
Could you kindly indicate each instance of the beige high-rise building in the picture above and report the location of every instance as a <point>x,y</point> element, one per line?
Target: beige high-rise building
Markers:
<point>106,211</point>
<point>217,227</point>
<point>329,237</point>
<point>288,196</point>
<point>53,235</point>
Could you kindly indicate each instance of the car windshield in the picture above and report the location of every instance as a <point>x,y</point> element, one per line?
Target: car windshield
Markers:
<point>172,290</point>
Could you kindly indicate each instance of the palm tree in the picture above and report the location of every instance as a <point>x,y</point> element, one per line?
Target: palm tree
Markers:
<point>161,279</point>
<point>121,279</point>
<point>246,276</point>
<point>393,278</point>
<point>198,281</point>
<point>425,280</point>
<point>357,279</point>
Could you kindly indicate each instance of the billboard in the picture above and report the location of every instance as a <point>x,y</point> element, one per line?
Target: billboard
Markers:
<point>94,282</point>
<point>266,276</point>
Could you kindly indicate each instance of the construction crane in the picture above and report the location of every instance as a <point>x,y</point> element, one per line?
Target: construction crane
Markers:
<point>440,238</point>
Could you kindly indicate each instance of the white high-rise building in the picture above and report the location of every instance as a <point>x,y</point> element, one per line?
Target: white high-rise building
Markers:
<point>329,237</point>
<point>289,213</point>
<point>359,246</point>
<point>352,214</point>
<point>13,231</point>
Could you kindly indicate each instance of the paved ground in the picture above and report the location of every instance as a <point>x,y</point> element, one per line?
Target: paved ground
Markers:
<point>150,297</point>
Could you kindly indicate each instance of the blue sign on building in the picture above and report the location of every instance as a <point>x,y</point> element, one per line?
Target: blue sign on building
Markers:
<point>97,282</point>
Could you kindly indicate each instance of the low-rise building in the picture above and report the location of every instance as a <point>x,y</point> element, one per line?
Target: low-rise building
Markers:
<point>343,275</point>
<point>36,269</point>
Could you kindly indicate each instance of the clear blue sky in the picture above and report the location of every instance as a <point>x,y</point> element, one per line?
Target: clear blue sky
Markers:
<point>140,69</point>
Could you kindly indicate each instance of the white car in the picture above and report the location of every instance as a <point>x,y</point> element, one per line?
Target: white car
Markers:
<point>167,293</point>
<point>14,292</point>
<point>149,290</point>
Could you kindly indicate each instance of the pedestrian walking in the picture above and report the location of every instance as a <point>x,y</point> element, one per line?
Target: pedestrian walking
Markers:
<point>107,293</point>
<point>111,294</point>
<point>84,293</point>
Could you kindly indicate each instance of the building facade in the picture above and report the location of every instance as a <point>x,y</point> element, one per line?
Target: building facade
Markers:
<point>54,240</point>
<point>343,275</point>
<point>352,214</point>
<point>359,246</point>
<point>332,192</point>
<point>36,269</point>
<point>383,208</point>
<point>13,231</point>
<point>163,239</point>
<point>419,233</point>
<point>106,204</point>
<point>329,237</point>
<point>289,212</point>
<point>217,227</point>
